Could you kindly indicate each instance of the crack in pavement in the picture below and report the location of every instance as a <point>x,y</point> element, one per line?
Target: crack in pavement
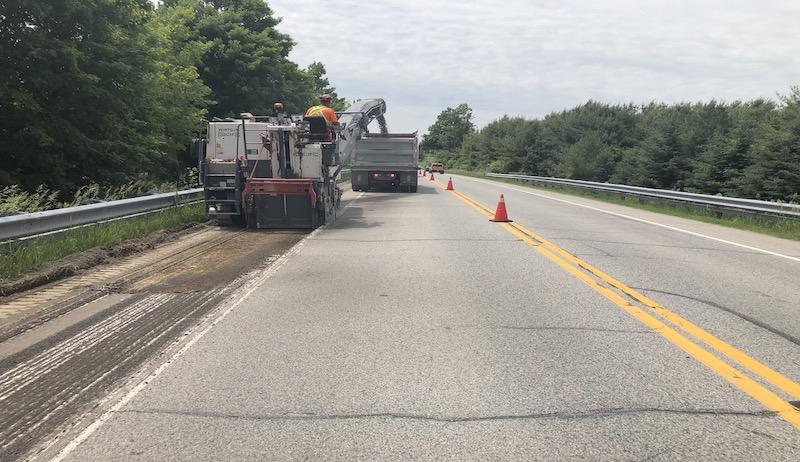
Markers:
<point>416,240</point>
<point>604,252</point>
<point>311,416</point>
<point>756,432</point>
<point>544,328</point>
<point>738,314</point>
<point>651,244</point>
<point>657,454</point>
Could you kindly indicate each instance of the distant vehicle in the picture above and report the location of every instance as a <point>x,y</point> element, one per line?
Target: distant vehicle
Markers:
<point>436,167</point>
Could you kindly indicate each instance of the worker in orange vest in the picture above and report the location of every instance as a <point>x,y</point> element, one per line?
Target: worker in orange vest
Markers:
<point>324,109</point>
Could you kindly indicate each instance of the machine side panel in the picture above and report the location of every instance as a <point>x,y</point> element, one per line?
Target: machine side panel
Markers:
<point>309,164</point>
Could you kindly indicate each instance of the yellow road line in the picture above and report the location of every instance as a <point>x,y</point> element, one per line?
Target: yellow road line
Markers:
<point>573,265</point>
<point>748,362</point>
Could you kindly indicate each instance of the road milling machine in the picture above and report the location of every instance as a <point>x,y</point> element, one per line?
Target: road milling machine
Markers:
<point>280,172</point>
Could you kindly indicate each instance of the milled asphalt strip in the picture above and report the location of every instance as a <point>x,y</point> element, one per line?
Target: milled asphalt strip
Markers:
<point>65,397</point>
<point>246,291</point>
<point>28,371</point>
<point>584,272</point>
<point>641,220</point>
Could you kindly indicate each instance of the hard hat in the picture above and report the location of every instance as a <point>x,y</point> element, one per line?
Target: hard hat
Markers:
<point>325,97</point>
<point>277,106</point>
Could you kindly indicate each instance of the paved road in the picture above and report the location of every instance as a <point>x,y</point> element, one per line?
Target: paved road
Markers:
<point>66,346</point>
<point>415,328</point>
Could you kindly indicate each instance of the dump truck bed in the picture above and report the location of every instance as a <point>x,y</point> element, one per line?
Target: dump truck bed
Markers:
<point>381,161</point>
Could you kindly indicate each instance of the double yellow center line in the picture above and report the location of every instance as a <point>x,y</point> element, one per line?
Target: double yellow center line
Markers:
<point>627,299</point>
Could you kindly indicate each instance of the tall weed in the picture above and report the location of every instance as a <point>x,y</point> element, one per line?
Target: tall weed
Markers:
<point>14,200</point>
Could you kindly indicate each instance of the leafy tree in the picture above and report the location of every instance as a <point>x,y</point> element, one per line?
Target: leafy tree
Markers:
<point>244,59</point>
<point>775,169</point>
<point>76,96</point>
<point>451,127</point>
<point>590,158</point>
<point>106,91</point>
<point>720,167</point>
<point>180,98</point>
<point>749,149</point>
<point>659,160</point>
<point>318,84</point>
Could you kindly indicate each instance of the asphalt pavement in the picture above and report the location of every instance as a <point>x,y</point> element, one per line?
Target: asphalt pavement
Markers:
<point>415,328</point>
<point>77,341</point>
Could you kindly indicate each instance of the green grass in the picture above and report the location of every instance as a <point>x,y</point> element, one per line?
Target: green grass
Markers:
<point>783,228</point>
<point>19,258</point>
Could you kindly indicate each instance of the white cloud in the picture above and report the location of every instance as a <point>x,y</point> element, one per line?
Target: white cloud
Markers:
<point>533,57</point>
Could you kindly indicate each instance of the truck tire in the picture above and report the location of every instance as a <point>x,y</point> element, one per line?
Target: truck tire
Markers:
<point>318,216</point>
<point>239,220</point>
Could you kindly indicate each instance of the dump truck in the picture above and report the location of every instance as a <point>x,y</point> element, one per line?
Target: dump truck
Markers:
<point>385,161</point>
<point>279,172</point>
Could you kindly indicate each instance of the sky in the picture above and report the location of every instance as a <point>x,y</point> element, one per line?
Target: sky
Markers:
<point>530,58</point>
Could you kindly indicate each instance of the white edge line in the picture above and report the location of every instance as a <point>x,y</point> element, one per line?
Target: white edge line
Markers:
<point>673,228</point>
<point>88,431</point>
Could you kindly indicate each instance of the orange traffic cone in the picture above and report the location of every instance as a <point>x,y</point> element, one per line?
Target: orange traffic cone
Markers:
<point>501,215</point>
<point>450,185</point>
<point>432,178</point>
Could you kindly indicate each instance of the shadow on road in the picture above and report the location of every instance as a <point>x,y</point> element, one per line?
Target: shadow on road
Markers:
<point>353,217</point>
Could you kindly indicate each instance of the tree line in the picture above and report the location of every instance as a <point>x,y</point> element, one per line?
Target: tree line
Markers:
<point>109,91</point>
<point>739,149</point>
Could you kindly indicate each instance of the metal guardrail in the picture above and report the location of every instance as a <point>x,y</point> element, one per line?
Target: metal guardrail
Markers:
<point>722,202</point>
<point>17,226</point>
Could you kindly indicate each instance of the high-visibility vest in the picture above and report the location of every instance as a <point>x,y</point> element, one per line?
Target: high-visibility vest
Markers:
<point>322,111</point>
